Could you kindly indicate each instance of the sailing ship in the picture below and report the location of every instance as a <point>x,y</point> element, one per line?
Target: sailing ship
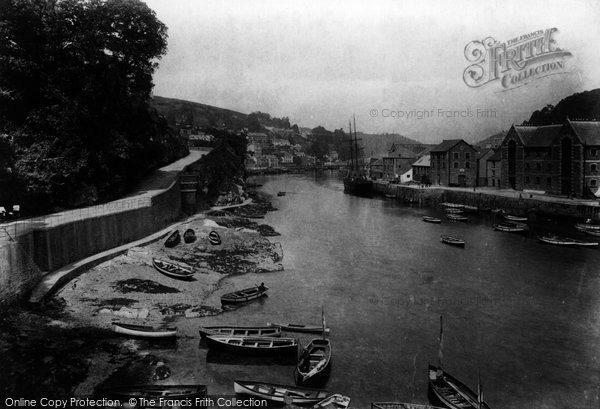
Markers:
<point>356,181</point>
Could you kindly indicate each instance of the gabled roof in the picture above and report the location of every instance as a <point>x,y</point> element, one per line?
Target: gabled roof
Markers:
<point>588,131</point>
<point>448,144</point>
<point>485,152</point>
<point>496,157</point>
<point>543,136</point>
<point>424,160</point>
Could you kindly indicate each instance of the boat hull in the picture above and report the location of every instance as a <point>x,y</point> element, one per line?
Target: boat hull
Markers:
<point>175,392</point>
<point>276,393</point>
<point>282,347</point>
<point>243,296</point>
<point>336,401</point>
<point>452,241</point>
<point>300,328</point>
<point>361,187</point>
<point>434,220</point>
<point>304,374</point>
<point>143,331</point>
<point>172,270</point>
<point>240,331</point>
<point>451,392</point>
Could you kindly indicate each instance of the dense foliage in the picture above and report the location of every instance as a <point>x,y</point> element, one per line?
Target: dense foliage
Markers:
<point>75,86</point>
<point>583,105</point>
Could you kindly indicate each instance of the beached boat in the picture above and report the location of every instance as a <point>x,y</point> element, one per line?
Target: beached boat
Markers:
<point>335,401</point>
<point>189,236</point>
<point>154,392</point>
<point>587,226</point>
<point>470,209</point>
<point>214,238</point>
<point>452,205</point>
<point>173,240</point>
<point>513,218</point>
<point>280,393</point>
<point>453,241</point>
<point>314,364</point>
<point>401,405</point>
<point>451,392</point>
<point>430,219</point>
<point>566,241</point>
<point>457,217</point>
<point>453,210</point>
<point>263,346</point>
<point>509,229</point>
<point>144,331</point>
<point>247,294</point>
<point>299,327</point>
<point>236,331</point>
<point>172,270</point>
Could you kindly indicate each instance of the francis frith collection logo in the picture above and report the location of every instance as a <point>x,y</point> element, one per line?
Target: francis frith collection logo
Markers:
<point>515,62</point>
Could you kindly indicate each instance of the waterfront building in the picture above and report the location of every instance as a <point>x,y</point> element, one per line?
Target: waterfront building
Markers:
<point>494,170</point>
<point>561,159</point>
<point>397,161</point>
<point>453,163</point>
<point>422,169</point>
<point>482,159</point>
<point>375,168</point>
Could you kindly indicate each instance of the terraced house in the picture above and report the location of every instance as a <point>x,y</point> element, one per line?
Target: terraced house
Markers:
<point>453,163</point>
<point>561,159</point>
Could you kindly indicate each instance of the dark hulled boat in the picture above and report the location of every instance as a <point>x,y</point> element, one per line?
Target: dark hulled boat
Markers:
<point>173,240</point>
<point>314,364</point>
<point>237,331</point>
<point>172,270</point>
<point>189,236</point>
<point>154,392</point>
<point>279,393</point>
<point>247,294</point>
<point>356,181</point>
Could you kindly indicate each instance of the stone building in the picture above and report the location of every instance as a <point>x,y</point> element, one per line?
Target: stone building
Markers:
<point>422,169</point>
<point>561,159</point>
<point>453,163</point>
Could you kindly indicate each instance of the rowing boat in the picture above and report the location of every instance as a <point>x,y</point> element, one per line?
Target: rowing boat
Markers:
<point>247,294</point>
<point>566,241</point>
<point>453,241</point>
<point>470,209</point>
<point>452,205</point>
<point>144,331</point>
<point>173,240</point>
<point>299,327</point>
<point>335,401</point>
<point>279,393</point>
<point>172,270</point>
<point>587,226</point>
<point>453,210</point>
<point>237,331</point>
<point>515,218</point>
<point>214,238</point>
<point>457,217</point>
<point>189,236</point>
<point>509,229</point>
<point>171,392</point>
<point>430,219</point>
<point>273,346</point>
<point>314,364</point>
<point>401,405</point>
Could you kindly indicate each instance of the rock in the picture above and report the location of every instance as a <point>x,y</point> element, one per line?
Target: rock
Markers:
<point>150,359</point>
<point>162,372</point>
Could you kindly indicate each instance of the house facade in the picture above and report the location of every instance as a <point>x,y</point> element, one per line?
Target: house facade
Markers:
<point>422,169</point>
<point>398,161</point>
<point>482,159</point>
<point>454,163</point>
<point>562,159</point>
<point>494,170</point>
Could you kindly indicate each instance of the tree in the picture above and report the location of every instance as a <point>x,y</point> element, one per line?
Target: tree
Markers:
<point>75,81</point>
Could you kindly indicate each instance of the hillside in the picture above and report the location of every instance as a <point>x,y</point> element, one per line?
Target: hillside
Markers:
<point>377,144</point>
<point>491,141</point>
<point>583,105</point>
<point>196,114</point>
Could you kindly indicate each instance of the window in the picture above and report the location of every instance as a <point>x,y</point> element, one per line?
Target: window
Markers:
<point>467,165</point>
<point>456,155</point>
<point>537,180</point>
<point>526,179</point>
<point>443,165</point>
<point>548,181</point>
<point>593,182</point>
<point>594,152</point>
<point>433,164</point>
<point>467,156</point>
<point>493,173</point>
<point>493,182</point>
<point>594,167</point>
<point>455,165</point>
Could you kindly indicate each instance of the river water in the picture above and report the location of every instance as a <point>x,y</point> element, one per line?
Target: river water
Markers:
<point>524,314</point>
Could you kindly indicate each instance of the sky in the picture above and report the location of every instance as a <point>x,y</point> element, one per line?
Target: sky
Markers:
<point>323,62</point>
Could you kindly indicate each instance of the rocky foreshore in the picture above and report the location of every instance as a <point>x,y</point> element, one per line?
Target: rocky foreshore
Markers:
<point>80,351</point>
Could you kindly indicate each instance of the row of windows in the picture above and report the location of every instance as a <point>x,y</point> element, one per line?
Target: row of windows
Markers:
<point>538,166</point>
<point>457,155</point>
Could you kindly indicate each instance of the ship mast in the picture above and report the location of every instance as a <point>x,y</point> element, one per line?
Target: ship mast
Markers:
<point>351,157</point>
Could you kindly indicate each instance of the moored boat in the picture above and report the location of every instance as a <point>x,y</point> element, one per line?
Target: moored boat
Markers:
<point>173,240</point>
<point>335,401</point>
<point>280,193</point>
<point>557,240</point>
<point>174,392</point>
<point>594,233</point>
<point>299,327</point>
<point>513,218</point>
<point>232,330</point>
<point>452,205</point>
<point>430,219</point>
<point>454,210</point>
<point>279,393</point>
<point>470,209</point>
<point>247,294</point>
<point>401,405</point>
<point>453,241</point>
<point>314,364</point>
<point>214,238</point>
<point>172,270</point>
<point>457,217</point>
<point>509,229</point>
<point>263,346</point>
<point>356,181</point>
<point>587,226</point>
<point>144,331</point>
<point>189,236</point>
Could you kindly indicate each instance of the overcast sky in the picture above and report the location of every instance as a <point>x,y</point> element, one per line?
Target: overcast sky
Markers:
<point>320,62</point>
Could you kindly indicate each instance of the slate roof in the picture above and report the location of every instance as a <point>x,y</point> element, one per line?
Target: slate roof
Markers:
<point>424,160</point>
<point>588,131</point>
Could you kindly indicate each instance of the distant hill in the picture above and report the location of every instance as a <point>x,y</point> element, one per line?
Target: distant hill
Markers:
<point>379,144</point>
<point>583,105</point>
<point>196,114</point>
<point>491,141</point>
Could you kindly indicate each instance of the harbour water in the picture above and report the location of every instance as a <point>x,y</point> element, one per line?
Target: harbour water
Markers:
<point>524,314</point>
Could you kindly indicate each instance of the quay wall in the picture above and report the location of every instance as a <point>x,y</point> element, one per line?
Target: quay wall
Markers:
<point>525,204</point>
<point>31,248</point>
